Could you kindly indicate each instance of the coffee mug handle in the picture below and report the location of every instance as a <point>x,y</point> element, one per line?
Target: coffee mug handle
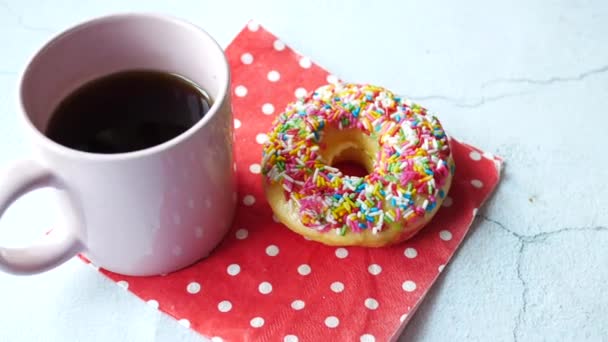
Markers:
<point>61,245</point>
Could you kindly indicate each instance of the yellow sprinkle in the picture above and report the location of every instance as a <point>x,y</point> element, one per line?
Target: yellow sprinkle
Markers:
<point>426,179</point>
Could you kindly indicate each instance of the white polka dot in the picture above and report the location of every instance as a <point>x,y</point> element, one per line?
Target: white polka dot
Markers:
<point>265,287</point>
<point>341,252</point>
<point>248,200</point>
<point>233,269</point>
<point>298,304</point>
<point>475,155</point>
<point>290,338</point>
<point>272,250</point>
<point>257,322</point>
<point>374,269</point>
<point>198,232</point>
<point>267,108</point>
<point>304,269</point>
<point>278,45</point>
<point>332,79</point>
<point>445,235</point>
<point>477,183</point>
<point>177,218</point>
<point>408,286</point>
<point>273,76</point>
<point>367,338</point>
<point>275,218</point>
<point>337,287</point>
<point>153,303</point>
<point>123,283</point>
<point>177,250</point>
<point>261,138</point>
<point>224,306</point>
<point>217,339</point>
<point>255,168</point>
<point>371,303</point>
<point>305,62</point>
<point>447,202</point>
<point>240,91</point>
<point>410,253</point>
<point>253,26</point>
<point>332,321</point>
<point>402,318</point>
<point>440,268</point>
<point>241,234</point>
<point>300,92</point>
<point>193,288</point>
<point>246,58</point>
<point>237,124</point>
<point>184,322</point>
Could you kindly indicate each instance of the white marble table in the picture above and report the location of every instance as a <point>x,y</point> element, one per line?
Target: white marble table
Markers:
<point>525,79</point>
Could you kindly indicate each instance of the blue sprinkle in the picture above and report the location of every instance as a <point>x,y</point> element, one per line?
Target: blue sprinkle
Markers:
<point>369,219</point>
<point>356,111</point>
<point>369,98</point>
<point>382,192</point>
<point>336,196</point>
<point>337,99</point>
<point>374,209</point>
<point>393,202</point>
<point>430,206</point>
<point>452,168</point>
<point>441,193</point>
<point>362,226</point>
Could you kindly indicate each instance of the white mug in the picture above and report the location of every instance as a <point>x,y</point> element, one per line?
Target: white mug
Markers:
<point>147,212</point>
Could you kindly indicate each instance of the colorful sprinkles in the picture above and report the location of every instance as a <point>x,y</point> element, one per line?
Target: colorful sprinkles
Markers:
<point>409,171</point>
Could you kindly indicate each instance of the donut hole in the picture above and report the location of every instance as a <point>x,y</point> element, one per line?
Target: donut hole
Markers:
<point>349,150</point>
<point>352,162</point>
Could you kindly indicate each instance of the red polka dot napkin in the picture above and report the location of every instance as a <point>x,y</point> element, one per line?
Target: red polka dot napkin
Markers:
<point>265,283</point>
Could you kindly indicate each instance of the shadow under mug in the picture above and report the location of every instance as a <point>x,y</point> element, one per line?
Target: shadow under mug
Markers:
<point>147,212</point>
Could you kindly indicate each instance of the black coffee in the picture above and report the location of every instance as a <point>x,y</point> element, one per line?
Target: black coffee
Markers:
<point>127,111</point>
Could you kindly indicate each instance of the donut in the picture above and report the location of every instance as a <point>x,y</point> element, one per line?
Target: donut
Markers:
<point>403,148</point>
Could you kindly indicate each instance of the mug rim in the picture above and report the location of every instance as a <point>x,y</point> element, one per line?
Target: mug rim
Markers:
<point>74,153</point>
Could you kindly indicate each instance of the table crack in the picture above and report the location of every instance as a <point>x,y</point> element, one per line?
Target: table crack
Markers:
<point>548,81</point>
<point>524,241</point>
<point>463,103</point>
